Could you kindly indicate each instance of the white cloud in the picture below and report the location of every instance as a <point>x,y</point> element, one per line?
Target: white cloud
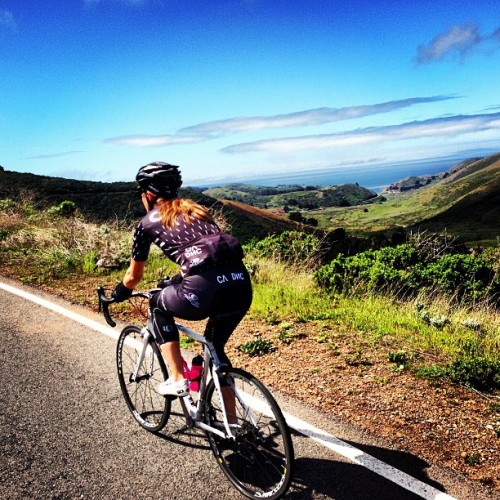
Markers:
<point>215,129</point>
<point>456,40</point>
<point>53,155</point>
<point>435,128</point>
<point>305,118</point>
<point>7,20</point>
<point>145,141</point>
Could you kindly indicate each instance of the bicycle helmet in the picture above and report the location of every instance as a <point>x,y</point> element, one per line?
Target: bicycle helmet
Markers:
<point>161,179</point>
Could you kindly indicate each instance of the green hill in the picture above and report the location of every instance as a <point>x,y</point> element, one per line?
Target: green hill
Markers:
<point>465,202</point>
<point>102,201</point>
<point>292,197</point>
<point>469,201</point>
<point>98,200</point>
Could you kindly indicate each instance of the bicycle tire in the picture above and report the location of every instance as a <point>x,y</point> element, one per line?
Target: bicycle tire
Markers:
<point>260,461</point>
<point>150,409</point>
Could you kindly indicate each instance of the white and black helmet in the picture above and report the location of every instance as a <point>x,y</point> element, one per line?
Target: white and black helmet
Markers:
<point>161,179</point>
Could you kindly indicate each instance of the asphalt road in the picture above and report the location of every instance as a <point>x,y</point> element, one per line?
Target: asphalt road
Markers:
<point>65,431</point>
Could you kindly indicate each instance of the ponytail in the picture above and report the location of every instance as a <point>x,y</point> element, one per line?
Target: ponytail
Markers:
<point>169,210</point>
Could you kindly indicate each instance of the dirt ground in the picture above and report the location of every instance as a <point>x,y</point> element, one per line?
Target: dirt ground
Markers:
<point>444,424</point>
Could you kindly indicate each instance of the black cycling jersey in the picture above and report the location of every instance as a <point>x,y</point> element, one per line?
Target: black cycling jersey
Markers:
<point>192,245</point>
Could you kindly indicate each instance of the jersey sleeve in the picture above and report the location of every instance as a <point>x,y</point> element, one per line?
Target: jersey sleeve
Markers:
<point>141,244</point>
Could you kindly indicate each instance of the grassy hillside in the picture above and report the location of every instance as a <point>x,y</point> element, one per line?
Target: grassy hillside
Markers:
<point>292,197</point>
<point>254,223</point>
<point>465,203</point>
<point>102,201</point>
<point>247,192</point>
<point>99,200</point>
<point>473,205</point>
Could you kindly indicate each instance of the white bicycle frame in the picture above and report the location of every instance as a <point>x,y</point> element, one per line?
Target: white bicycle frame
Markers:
<point>209,354</point>
<point>210,360</point>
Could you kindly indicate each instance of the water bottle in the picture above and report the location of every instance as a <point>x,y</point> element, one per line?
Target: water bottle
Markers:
<point>185,369</point>
<point>195,373</point>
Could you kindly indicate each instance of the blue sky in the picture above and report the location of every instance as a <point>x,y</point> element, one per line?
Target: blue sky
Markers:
<point>229,89</point>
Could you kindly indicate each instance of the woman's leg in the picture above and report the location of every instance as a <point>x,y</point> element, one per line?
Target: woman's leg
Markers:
<point>218,330</point>
<point>171,353</point>
<point>165,329</point>
<point>168,336</point>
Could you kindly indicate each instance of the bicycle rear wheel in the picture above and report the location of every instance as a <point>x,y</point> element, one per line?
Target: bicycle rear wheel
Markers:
<point>260,461</point>
<point>150,409</point>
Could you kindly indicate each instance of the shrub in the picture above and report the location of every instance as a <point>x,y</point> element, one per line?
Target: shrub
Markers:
<point>89,261</point>
<point>64,209</point>
<point>389,266</point>
<point>56,263</point>
<point>331,276</point>
<point>464,276</point>
<point>291,246</point>
<point>431,372</point>
<point>8,205</point>
<point>402,270</point>
<point>400,358</point>
<point>392,266</point>
<point>257,347</point>
<point>478,373</point>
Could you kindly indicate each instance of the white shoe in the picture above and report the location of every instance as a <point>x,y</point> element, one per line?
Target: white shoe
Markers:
<point>169,388</point>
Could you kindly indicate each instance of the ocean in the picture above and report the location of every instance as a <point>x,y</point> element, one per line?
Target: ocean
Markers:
<point>375,177</point>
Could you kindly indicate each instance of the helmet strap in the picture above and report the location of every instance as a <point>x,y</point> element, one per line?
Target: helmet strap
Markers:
<point>150,199</point>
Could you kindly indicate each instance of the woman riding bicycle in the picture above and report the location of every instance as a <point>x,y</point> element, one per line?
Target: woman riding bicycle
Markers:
<point>213,281</point>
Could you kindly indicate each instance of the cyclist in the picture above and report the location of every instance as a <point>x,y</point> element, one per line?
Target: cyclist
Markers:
<point>213,281</point>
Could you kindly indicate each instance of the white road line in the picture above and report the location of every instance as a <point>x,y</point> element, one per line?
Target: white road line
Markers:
<point>361,458</point>
<point>328,440</point>
<point>62,311</point>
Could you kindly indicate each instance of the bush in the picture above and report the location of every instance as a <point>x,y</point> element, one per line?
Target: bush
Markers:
<point>291,246</point>
<point>403,270</point>
<point>257,347</point>
<point>64,209</point>
<point>389,266</point>
<point>7,205</point>
<point>464,276</point>
<point>478,373</point>
<point>331,276</point>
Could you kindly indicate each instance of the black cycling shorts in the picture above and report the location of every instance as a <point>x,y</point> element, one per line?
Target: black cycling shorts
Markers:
<point>222,294</point>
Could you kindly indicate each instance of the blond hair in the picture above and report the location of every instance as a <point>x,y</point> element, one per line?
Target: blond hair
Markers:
<point>169,210</point>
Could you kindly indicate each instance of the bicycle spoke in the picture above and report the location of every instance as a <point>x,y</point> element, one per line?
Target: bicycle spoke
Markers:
<point>150,409</point>
<point>259,460</point>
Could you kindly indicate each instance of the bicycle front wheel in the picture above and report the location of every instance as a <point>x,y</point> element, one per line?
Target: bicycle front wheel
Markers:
<point>150,409</point>
<point>260,460</point>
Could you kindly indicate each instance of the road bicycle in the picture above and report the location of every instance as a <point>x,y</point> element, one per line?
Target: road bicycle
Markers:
<point>245,427</point>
